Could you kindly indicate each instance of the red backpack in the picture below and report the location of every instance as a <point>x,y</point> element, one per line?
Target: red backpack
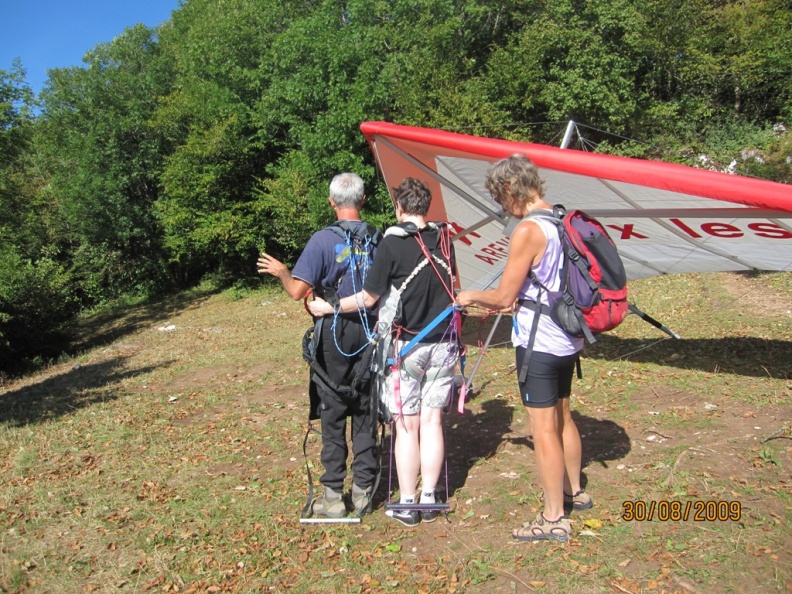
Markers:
<point>592,297</point>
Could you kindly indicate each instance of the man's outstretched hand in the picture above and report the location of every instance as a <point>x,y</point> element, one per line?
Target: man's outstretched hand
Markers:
<point>269,265</point>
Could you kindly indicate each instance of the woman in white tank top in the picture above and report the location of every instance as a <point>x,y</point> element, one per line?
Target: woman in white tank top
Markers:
<point>514,183</point>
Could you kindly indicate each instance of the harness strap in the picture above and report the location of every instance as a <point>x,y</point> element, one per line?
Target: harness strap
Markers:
<point>312,342</point>
<point>462,358</point>
<point>306,510</point>
<point>422,334</point>
<point>397,400</point>
<point>355,237</point>
<point>394,369</point>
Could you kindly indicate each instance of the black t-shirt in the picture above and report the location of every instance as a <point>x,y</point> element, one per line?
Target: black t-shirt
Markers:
<point>425,295</point>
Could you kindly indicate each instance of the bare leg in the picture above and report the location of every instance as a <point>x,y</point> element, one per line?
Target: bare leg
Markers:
<point>573,451</point>
<point>432,447</point>
<point>549,459</point>
<point>407,453</point>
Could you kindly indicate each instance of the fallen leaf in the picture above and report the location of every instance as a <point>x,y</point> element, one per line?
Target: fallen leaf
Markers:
<point>593,523</point>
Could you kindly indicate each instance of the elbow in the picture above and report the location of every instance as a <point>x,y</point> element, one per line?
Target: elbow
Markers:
<point>504,301</point>
<point>296,294</point>
<point>370,300</point>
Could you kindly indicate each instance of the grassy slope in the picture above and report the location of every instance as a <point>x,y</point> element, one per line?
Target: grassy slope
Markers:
<point>171,460</point>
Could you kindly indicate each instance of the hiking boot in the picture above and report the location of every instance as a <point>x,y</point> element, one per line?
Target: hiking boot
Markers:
<point>544,529</point>
<point>409,518</point>
<point>361,500</point>
<point>579,501</point>
<point>329,505</point>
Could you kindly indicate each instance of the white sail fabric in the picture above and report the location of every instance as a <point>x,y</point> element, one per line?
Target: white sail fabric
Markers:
<point>665,218</point>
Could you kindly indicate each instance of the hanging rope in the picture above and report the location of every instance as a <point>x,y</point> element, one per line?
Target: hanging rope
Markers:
<point>355,255</point>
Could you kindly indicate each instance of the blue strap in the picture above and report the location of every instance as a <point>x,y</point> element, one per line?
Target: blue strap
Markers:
<point>418,337</point>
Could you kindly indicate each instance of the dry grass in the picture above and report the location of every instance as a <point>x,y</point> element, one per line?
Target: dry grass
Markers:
<point>165,460</point>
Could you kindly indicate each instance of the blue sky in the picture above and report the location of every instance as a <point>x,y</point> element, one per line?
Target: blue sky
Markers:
<point>57,33</point>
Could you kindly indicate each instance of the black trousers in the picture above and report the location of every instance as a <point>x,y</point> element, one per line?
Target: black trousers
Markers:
<point>347,338</point>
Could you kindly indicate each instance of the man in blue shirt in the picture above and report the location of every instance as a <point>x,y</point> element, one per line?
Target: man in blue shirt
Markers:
<point>334,265</point>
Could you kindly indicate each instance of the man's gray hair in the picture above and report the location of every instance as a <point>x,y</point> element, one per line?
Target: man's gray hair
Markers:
<point>347,190</point>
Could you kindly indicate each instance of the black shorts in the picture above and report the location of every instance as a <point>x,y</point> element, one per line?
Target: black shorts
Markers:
<point>549,378</point>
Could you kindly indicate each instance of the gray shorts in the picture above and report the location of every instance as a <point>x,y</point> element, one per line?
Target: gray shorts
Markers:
<point>425,378</point>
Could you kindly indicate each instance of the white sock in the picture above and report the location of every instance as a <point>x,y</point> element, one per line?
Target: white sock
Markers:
<point>428,496</point>
<point>407,498</point>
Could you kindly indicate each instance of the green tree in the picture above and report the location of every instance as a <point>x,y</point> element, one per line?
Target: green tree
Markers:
<point>750,44</point>
<point>104,160</point>
<point>221,55</point>
<point>19,223</point>
<point>35,291</point>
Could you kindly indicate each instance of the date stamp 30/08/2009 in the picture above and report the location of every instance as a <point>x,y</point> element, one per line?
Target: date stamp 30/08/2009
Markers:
<point>676,510</point>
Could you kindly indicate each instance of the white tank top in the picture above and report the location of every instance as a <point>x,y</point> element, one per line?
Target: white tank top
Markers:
<point>549,337</point>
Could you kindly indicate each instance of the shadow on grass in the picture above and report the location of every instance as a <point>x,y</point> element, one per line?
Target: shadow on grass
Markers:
<point>603,440</point>
<point>97,330</point>
<point>739,355</point>
<point>66,393</point>
<point>473,437</point>
<point>468,438</point>
<point>109,326</point>
<point>476,436</point>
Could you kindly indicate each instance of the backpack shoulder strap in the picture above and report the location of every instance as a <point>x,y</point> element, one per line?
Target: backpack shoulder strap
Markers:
<point>362,232</point>
<point>555,216</point>
<point>401,230</point>
<point>364,235</point>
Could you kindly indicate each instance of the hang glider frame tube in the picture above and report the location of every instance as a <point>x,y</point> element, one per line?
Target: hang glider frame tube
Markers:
<point>652,321</point>
<point>478,205</point>
<point>634,309</point>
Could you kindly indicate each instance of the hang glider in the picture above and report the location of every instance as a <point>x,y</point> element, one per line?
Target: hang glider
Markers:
<point>665,218</point>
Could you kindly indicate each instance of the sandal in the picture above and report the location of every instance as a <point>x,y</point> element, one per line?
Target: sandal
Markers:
<point>544,529</point>
<point>580,500</point>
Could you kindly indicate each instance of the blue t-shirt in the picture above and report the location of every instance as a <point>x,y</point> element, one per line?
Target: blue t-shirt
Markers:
<point>328,259</point>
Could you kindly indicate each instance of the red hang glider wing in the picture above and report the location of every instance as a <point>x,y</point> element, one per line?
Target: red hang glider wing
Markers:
<point>665,218</point>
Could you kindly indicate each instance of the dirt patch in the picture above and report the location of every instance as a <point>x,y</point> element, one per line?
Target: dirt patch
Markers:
<point>212,377</point>
<point>753,292</point>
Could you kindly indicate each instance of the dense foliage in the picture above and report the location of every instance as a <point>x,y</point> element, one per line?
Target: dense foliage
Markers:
<point>179,152</point>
